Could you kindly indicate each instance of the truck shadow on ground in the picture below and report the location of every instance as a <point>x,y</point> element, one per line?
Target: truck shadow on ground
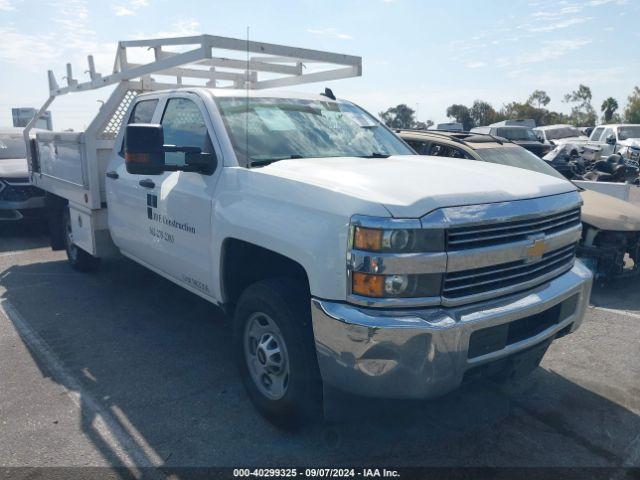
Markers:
<point>159,361</point>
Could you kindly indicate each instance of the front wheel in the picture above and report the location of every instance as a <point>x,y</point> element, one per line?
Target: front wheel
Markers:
<point>276,353</point>
<point>78,258</point>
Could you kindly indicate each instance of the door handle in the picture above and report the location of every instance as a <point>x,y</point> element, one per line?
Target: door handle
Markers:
<point>112,174</point>
<point>147,183</point>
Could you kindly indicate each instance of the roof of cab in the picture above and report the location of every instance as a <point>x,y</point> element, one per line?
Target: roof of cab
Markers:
<point>230,92</point>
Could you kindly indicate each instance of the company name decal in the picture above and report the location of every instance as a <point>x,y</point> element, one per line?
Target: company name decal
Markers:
<point>152,214</point>
<point>185,227</point>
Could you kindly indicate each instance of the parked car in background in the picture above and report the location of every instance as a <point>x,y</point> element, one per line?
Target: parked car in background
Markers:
<point>561,134</point>
<point>521,122</point>
<point>448,126</point>
<point>523,136</point>
<point>610,243</point>
<point>617,138</point>
<point>18,198</point>
<point>587,130</point>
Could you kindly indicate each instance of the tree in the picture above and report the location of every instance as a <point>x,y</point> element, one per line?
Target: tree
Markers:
<point>632,111</point>
<point>540,98</point>
<point>400,116</point>
<point>461,115</point>
<point>609,106</point>
<point>582,114</point>
<point>482,113</point>
<point>522,111</point>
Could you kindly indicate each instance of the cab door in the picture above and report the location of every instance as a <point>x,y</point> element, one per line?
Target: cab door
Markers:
<point>126,197</point>
<point>180,203</point>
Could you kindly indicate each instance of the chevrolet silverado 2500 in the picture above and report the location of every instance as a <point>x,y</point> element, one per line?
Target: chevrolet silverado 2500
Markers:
<point>345,259</point>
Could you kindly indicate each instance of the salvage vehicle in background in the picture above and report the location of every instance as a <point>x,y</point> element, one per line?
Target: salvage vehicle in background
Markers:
<point>523,136</point>
<point>623,139</point>
<point>19,199</point>
<point>576,165</point>
<point>346,260</point>
<point>561,134</point>
<point>610,242</point>
<point>447,126</point>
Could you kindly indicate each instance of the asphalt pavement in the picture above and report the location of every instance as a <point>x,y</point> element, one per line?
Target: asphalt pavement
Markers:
<point>123,368</point>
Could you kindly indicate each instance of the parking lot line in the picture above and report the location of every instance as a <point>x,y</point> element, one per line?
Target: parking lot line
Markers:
<point>113,432</point>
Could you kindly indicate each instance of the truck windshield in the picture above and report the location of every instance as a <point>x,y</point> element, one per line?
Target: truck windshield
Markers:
<point>564,132</point>
<point>625,133</point>
<point>517,157</point>
<point>264,130</point>
<point>12,146</point>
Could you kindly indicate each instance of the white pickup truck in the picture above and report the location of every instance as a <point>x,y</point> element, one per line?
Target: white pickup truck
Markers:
<point>345,259</point>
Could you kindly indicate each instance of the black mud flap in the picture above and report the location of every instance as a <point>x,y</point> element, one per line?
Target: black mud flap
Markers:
<point>54,207</point>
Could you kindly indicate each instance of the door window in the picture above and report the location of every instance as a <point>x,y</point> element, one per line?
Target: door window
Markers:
<point>184,126</point>
<point>142,113</point>
<point>420,147</point>
<point>440,150</point>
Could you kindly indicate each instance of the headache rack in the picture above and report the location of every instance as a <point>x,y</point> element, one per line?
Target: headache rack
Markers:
<point>71,165</point>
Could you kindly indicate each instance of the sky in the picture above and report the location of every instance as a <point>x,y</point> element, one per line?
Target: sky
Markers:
<point>427,54</point>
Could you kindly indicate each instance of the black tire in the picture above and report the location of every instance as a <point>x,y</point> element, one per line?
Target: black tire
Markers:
<point>286,303</point>
<point>78,258</point>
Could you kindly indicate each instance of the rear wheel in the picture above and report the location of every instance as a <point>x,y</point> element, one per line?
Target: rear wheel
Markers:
<point>276,352</point>
<point>78,258</point>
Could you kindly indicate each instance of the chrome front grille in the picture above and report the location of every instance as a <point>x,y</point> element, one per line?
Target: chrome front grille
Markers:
<point>497,278</point>
<point>461,238</point>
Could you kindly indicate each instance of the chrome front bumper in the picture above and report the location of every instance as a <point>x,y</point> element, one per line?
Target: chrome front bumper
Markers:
<point>421,353</point>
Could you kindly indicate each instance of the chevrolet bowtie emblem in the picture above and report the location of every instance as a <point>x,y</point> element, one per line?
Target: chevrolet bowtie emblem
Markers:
<point>536,249</point>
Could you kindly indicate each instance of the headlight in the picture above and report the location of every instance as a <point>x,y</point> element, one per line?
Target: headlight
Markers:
<point>397,240</point>
<point>395,261</point>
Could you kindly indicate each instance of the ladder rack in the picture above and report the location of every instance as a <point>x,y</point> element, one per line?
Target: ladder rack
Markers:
<point>155,64</point>
<point>208,57</point>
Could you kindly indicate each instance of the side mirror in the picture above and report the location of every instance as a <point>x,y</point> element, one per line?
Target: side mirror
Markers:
<point>611,139</point>
<point>144,149</point>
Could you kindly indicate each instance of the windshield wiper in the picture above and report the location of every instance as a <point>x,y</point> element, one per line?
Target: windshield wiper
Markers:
<point>375,155</point>
<point>259,162</point>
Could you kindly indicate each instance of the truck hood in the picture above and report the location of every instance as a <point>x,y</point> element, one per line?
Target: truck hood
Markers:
<point>14,168</point>
<point>609,213</point>
<point>410,186</point>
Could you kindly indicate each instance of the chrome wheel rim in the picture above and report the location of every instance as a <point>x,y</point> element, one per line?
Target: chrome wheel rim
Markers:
<point>266,356</point>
